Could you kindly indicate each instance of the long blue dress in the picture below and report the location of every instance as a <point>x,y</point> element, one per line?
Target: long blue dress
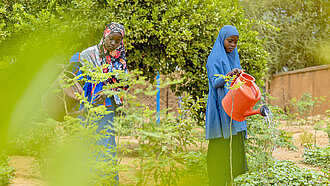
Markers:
<point>220,62</point>
<point>217,120</point>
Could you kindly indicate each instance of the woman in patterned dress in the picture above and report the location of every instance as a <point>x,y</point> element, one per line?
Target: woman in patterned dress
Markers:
<point>109,55</point>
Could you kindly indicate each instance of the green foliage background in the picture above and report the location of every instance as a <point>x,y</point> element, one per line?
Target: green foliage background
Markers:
<point>165,36</point>
<point>296,31</point>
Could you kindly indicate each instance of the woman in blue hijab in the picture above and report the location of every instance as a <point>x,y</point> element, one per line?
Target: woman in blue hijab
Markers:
<point>223,59</point>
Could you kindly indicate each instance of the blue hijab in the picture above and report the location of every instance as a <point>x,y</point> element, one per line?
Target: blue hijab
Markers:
<point>220,62</point>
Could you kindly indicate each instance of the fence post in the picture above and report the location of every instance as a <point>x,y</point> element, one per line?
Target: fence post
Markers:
<point>158,97</point>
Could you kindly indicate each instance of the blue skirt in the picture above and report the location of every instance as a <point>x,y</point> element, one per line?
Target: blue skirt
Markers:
<point>108,140</point>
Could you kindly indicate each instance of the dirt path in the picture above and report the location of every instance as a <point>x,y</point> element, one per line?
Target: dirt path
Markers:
<point>24,174</point>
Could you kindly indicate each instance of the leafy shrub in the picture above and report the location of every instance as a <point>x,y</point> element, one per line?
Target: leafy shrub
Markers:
<point>37,141</point>
<point>163,36</point>
<point>162,148</point>
<point>327,128</point>
<point>305,21</point>
<point>6,171</point>
<point>195,169</point>
<point>18,146</point>
<point>305,104</point>
<point>317,157</point>
<point>282,173</point>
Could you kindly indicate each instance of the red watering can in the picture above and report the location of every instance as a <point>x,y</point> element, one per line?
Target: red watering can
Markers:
<point>243,99</point>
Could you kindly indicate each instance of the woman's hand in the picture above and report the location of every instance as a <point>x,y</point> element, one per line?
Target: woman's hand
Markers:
<point>233,72</point>
<point>100,98</point>
<point>77,113</point>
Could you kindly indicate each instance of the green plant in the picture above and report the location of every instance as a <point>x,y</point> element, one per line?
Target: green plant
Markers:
<point>317,156</point>
<point>162,148</point>
<point>282,173</point>
<point>286,139</point>
<point>306,139</point>
<point>6,171</point>
<point>18,146</point>
<point>163,36</point>
<point>264,137</point>
<point>292,117</point>
<point>195,172</point>
<point>327,128</point>
<point>306,104</point>
<point>295,34</point>
<point>320,123</point>
<point>37,141</point>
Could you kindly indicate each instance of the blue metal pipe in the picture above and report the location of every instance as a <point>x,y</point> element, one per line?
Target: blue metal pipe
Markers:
<point>158,97</point>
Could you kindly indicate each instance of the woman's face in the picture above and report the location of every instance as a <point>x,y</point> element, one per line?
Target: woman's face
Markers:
<point>112,41</point>
<point>231,43</point>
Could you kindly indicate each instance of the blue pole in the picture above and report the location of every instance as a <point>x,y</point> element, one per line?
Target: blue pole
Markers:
<point>158,97</point>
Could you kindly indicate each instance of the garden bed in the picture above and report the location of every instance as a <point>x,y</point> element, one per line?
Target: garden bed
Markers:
<point>25,175</point>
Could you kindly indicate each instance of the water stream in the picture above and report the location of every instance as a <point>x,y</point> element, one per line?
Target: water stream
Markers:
<point>269,120</point>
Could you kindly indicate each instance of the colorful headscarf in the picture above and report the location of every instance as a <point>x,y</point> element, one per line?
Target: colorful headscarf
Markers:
<point>115,59</point>
<point>118,55</point>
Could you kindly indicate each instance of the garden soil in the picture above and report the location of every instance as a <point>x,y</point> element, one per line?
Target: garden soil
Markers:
<point>320,138</point>
<point>26,176</point>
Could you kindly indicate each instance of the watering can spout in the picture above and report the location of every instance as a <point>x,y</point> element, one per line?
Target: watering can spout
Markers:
<point>263,110</point>
<point>251,112</point>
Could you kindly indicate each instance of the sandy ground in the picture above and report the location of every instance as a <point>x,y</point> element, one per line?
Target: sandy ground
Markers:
<point>296,155</point>
<point>298,131</point>
<point>25,176</point>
